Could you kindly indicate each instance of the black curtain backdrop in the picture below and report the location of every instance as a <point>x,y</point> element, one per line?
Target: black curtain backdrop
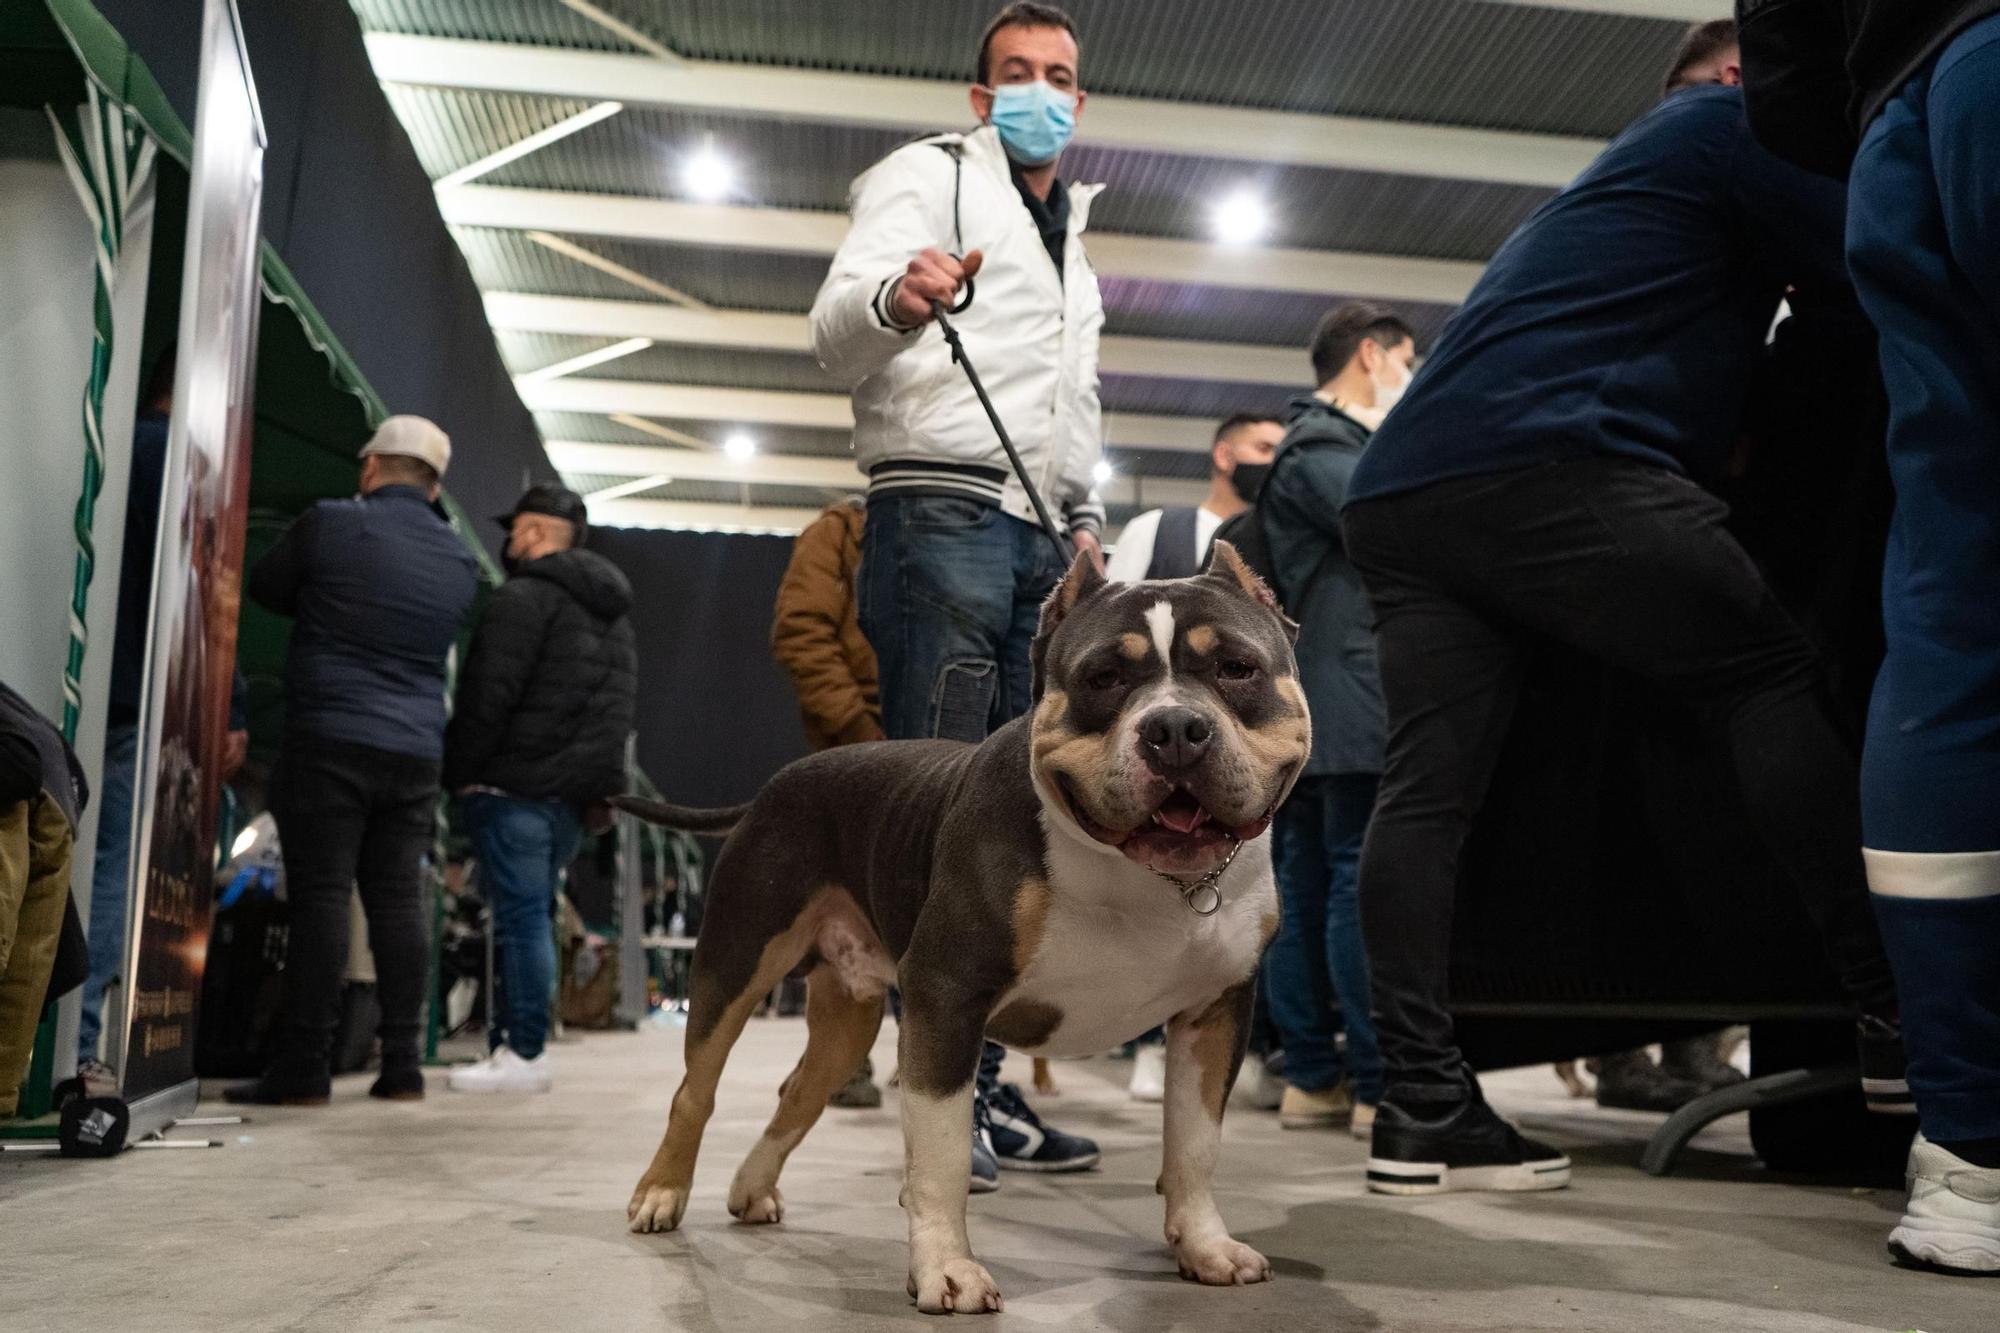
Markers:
<point>350,210</point>
<point>716,714</point>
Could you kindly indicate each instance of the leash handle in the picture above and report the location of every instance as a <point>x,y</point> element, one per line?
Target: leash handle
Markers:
<point>1064,551</point>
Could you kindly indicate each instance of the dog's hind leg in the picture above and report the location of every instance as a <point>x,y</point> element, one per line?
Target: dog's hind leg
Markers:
<point>840,1028</point>
<point>728,983</point>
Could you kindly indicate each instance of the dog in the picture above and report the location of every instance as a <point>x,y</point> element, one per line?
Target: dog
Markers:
<point>1092,869</point>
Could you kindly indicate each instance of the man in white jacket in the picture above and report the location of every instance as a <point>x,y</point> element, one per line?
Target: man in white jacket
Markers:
<point>954,566</point>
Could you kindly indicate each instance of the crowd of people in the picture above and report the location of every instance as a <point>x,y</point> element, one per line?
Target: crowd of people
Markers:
<point>1544,476</point>
<point>1545,473</point>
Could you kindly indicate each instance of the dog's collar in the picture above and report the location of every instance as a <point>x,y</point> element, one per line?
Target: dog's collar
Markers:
<point>1202,895</point>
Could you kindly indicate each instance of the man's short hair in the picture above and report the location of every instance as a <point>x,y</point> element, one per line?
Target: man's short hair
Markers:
<point>1703,43</point>
<point>1232,424</point>
<point>401,468</point>
<point>1343,329</point>
<point>1020,15</point>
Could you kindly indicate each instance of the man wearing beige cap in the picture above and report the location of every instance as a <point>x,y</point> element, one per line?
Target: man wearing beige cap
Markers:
<point>376,587</point>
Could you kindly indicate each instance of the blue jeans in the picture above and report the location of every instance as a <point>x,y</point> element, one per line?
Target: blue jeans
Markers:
<point>1923,246</point>
<point>950,593</point>
<point>110,881</point>
<point>523,847</point>
<point>1318,956</point>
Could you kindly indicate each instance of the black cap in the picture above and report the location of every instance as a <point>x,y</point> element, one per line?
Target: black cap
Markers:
<point>546,497</point>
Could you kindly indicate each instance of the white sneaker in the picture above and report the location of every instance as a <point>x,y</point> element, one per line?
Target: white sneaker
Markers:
<point>1149,1073</point>
<point>503,1071</point>
<point>1953,1218</point>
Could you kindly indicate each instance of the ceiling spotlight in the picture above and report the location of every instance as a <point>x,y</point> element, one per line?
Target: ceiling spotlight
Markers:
<point>739,446</point>
<point>708,175</point>
<point>1102,472</point>
<point>1241,219</point>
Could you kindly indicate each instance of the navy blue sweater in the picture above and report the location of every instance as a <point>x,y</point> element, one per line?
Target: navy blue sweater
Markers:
<point>376,588</point>
<point>1626,315</point>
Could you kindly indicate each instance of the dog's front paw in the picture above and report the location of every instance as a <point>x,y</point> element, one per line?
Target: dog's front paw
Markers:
<point>755,1206</point>
<point>1221,1262</point>
<point>656,1208</point>
<point>956,1286</point>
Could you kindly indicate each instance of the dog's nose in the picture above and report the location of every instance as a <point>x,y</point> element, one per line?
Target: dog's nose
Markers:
<point>1175,739</point>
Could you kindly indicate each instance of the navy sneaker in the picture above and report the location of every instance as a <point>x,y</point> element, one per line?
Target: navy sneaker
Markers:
<point>1021,1142</point>
<point>985,1171</point>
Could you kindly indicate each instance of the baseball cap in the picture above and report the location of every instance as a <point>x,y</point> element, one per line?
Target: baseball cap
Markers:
<point>412,437</point>
<point>546,497</point>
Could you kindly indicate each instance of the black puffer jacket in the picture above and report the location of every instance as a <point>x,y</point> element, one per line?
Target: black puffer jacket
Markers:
<point>549,690</point>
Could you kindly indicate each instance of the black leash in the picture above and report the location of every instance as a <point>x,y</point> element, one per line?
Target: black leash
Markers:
<point>1064,551</point>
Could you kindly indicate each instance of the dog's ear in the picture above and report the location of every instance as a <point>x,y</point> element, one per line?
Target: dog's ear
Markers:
<point>1225,565</point>
<point>1228,567</point>
<point>1084,581</point>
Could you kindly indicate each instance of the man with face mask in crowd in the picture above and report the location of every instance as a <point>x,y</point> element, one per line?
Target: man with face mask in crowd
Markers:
<point>1173,543</point>
<point>954,566</point>
<point>1361,355</point>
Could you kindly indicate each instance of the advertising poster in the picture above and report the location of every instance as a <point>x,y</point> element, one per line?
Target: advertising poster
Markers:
<point>197,572</point>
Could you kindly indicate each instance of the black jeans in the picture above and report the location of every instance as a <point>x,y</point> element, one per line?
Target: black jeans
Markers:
<point>1628,563</point>
<point>351,814</point>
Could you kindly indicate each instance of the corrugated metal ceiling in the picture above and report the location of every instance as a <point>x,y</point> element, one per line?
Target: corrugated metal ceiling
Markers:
<point>1451,62</point>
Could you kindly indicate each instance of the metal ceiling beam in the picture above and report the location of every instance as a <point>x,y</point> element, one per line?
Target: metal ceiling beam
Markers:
<point>758,331</point>
<point>916,105</point>
<point>584,458</point>
<point>813,411</point>
<point>701,516</point>
<point>1678,11</point>
<point>796,231</point>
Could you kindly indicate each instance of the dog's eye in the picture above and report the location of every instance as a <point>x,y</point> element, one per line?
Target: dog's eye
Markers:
<point>1235,668</point>
<point>1104,678</point>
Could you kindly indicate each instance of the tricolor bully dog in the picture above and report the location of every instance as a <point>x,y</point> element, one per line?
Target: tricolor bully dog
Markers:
<point>1090,871</point>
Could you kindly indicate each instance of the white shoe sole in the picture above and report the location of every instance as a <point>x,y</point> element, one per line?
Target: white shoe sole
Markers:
<point>1312,1122</point>
<point>980,1185</point>
<point>1961,1247</point>
<point>1387,1177</point>
<point>497,1088</point>
<point>1048,1168</point>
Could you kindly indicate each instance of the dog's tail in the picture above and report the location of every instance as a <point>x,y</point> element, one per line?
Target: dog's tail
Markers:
<point>686,818</point>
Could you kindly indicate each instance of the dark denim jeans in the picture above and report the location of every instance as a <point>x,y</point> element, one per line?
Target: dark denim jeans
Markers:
<point>1318,959</point>
<point>523,847</point>
<point>950,593</point>
<point>1630,564</point>
<point>110,881</point>
<point>1923,244</point>
<point>352,815</point>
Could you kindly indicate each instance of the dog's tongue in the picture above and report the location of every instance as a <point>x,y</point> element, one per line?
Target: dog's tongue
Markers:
<point>1182,813</point>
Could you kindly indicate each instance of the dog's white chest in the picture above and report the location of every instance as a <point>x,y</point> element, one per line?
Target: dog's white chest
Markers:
<point>1121,951</point>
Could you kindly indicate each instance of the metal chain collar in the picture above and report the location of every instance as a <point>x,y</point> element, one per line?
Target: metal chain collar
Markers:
<point>1202,896</point>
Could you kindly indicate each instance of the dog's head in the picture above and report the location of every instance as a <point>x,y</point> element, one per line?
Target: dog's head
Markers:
<point>1169,721</point>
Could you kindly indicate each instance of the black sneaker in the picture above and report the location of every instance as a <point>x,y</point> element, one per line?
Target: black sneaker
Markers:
<point>1630,1081</point>
<point>1021,1142</point>
<point>1467,1148</point>
<point>399,1082</point>
<point>1885,1084</point>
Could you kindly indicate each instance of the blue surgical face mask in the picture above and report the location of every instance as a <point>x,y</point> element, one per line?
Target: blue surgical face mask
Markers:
<point>1035,121</point>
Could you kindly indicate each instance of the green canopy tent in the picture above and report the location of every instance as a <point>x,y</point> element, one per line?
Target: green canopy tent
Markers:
<point>314,408</point>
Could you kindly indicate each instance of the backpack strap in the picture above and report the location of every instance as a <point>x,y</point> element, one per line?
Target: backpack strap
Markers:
<point>1174,553</point>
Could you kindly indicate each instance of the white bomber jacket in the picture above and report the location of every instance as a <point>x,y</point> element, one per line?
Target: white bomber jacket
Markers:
<point>1031,333</point>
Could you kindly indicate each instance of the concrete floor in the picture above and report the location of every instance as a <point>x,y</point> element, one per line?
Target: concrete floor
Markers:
<point>485,1213</point>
